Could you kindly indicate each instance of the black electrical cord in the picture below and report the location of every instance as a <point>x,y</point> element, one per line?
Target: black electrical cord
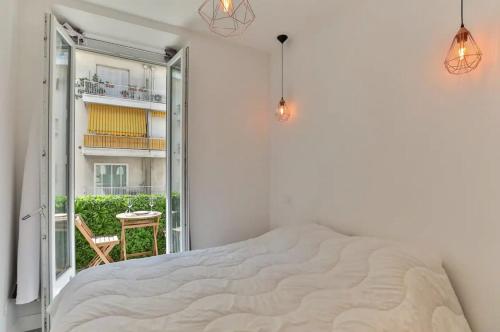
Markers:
<point>282,39</point>
<point>282,71</point>
<point>462,12</point>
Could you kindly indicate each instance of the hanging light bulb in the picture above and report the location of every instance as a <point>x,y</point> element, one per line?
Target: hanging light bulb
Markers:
<point>282,112</point>
<point>227,6</point>
<point>227,18</point>
<point>464,55</point>
<point>461,53</point>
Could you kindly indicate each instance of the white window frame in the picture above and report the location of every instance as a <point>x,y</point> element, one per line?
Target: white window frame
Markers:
<point>185,245</point>
<point>51,283</point>
<point>117,50</point>
<point>110,164</point>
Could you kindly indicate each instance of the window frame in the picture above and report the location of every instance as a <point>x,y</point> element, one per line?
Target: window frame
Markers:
<point>110,164</point>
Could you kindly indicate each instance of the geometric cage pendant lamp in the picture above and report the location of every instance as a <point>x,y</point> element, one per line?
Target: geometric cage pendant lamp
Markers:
<point>282,112</point>
<point>227,18</point>
<point>464,55</point>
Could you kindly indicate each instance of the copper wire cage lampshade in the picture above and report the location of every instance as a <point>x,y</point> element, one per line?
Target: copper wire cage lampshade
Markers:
<point>227,18</point>
<point>464,55</point>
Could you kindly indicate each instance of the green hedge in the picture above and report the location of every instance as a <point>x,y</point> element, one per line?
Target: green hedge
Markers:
<point>99,213</point>
<point>61,204</point>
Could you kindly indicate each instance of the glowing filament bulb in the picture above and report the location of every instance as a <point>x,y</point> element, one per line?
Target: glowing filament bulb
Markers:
<point>227,6</point>
<point>282,113</point>
<point>461,53</point>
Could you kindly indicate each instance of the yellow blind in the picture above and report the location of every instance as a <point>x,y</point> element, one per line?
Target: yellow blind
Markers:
<point>158,114</point>
<point>116,120</point>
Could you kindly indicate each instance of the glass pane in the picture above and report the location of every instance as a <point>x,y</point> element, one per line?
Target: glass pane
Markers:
<point>119,176</point>
<point>60,146</point>
<point>107,173</point>
<point>98,175</point>
<point>102,176</point>
<point>176,155</point>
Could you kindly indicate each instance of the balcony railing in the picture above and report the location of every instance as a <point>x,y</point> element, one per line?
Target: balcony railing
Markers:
<point>107,89</point>
<point>137,190</point>
<point>123,142</point>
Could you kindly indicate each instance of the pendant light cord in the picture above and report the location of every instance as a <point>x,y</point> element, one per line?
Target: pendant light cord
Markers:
<point>282,39</point>
<point>462,12</point>
<point>282,71</point>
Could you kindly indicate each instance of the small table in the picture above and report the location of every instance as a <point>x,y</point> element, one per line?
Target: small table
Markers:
<point>139,220</point>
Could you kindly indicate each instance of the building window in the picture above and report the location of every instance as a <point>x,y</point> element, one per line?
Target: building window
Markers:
<point>118,76</point>
<point>110,179</point>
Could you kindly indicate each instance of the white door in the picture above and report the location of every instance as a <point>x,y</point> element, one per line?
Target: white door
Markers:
<point>177,188</point>
<point>58,250</point>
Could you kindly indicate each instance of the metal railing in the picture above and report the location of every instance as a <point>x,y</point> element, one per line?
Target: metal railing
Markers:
<point>107,89</point>
<point>123,142</point>
<point>137,190</point>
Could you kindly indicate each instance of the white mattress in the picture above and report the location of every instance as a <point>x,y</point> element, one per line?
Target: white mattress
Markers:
<point>306,278</point>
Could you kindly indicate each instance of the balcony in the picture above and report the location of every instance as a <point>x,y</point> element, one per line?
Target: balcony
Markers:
<point>135,190</point>
<point>122,146</point>
<point>120,95</point>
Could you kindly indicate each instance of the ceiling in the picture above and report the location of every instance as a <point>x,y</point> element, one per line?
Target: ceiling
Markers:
<point>272,16</point>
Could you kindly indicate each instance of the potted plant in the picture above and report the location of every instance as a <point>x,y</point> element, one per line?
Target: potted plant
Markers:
<point>157,98</point>
<point>144,93</point>
<point>132,90</point>
<point>124,93</point>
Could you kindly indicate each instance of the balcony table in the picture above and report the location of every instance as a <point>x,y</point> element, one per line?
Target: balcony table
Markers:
<point>139,220</point>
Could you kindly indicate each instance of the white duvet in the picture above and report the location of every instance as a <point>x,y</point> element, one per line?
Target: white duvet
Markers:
<point>306,278</point>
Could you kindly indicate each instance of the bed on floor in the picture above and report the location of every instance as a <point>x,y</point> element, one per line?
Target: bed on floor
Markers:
<point>306,278</point>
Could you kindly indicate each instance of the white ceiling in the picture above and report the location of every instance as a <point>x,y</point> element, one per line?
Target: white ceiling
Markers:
<point>272,16</point>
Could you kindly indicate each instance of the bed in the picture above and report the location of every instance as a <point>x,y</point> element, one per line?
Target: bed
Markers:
<point>303,278</point>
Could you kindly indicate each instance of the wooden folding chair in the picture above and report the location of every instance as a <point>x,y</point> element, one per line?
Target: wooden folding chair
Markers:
<point>102,245</point>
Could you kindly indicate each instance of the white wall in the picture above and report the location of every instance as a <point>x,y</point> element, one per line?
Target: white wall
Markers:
<point>383,141</point>
<point>8,19</point>
<point>228,142</point>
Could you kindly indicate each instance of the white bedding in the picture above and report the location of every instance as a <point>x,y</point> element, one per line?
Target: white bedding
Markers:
<point>307,278</point>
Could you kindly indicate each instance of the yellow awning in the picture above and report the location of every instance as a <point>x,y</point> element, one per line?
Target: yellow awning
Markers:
<point>116,120</point>
<point>158,114</point>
